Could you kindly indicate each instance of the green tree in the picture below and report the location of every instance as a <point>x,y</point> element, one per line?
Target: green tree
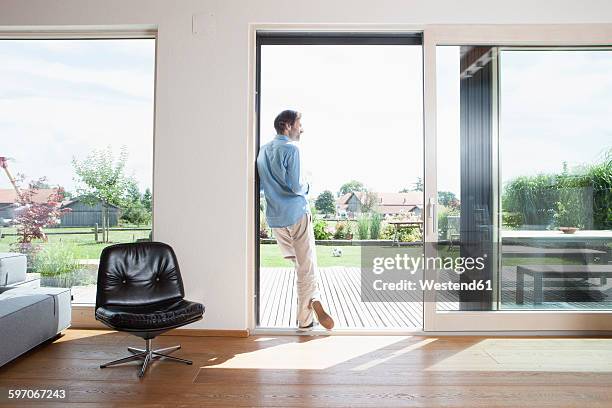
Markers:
<point>418,184</point>
<point>351,187</point>
<point>369,201</point>
<point>147,200</point>
<point>134,209</point>
<point>102,179</point>
<point>446,198</point>
<point>326,203</point>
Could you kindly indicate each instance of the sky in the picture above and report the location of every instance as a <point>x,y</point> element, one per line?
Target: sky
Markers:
<point>61,99</point>
<point>362,111</point>
<point>554,106</point>
<point>361,105</point>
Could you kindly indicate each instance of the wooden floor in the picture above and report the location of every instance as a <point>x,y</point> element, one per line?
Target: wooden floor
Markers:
<point>322,371</point>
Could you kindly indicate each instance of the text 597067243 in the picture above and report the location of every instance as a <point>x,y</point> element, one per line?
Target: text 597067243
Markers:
<point>33,394</point>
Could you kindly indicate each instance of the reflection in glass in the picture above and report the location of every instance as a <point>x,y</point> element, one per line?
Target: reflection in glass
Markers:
<point>524,146</point>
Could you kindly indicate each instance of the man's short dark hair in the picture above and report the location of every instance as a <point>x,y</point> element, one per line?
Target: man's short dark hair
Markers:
<point>285,119</point>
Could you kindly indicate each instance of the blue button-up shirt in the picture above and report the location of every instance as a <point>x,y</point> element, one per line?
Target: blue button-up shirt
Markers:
<point>280,177</point>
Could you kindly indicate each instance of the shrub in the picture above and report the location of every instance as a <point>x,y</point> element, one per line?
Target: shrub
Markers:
<point>320,230</point>
<point>363,225</point>
<point>413,235</point>
<point>57,266</point>
<point>574,208</point>
<point>404,234</point>
<point>582,198</point>
<point>512,220</point>
<point>532,197</point>
<point>601,181</point>
<point>263,225</point>
<point>136,213</point>
<point>342,230</point>
<point>55,260</point>
<point>585,197</point>
<point>387,231</point>
<point>375,222</point>
<point>443,213</point>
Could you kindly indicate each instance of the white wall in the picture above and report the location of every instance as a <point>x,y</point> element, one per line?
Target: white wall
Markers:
<point>202,108</point>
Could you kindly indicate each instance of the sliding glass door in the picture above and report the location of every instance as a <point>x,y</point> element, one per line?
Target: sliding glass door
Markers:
<point>524,177</point>
<point>493,212</point>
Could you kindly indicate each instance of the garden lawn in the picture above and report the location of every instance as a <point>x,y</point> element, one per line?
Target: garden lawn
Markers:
<point>270,256</point>
<point>83,246</point>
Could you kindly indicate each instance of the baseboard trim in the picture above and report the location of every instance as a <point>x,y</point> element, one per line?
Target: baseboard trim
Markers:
<point>207,333</point>
<point>83,318</point>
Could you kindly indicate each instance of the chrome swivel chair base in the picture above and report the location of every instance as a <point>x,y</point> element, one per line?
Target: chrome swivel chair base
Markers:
<point>148,354</point>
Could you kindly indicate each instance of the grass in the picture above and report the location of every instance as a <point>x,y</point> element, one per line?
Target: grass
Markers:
<point>553,260</point>
<point>85,246</point>
<point>270,256</point>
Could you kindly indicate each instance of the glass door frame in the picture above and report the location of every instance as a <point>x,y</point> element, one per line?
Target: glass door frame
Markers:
<point>306,37</point>
<point>507,35</point>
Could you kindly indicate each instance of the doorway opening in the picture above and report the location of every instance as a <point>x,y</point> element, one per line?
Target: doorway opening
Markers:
<point>361,100</point>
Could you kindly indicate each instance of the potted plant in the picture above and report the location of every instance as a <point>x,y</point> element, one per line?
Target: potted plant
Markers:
<point>566,219</point>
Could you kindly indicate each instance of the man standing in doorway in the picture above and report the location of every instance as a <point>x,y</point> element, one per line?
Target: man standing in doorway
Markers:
<point>288,214</point>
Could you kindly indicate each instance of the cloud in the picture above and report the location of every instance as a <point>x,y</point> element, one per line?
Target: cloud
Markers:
<point>51,110</point>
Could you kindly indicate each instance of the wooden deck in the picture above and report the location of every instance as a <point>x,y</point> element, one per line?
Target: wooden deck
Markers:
<point>340,293</point>
<point>340,289</point>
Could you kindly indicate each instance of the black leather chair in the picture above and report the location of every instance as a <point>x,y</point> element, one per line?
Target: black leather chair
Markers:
<point>140,291</point>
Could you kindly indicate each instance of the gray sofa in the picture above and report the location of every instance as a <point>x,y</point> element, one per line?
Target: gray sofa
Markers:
<point>29,314</point>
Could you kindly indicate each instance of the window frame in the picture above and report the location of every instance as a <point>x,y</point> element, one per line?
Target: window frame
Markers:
<point>82,315</point>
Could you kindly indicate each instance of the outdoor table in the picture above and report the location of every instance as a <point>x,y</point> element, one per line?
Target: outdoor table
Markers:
<point>539,272</point>
<point>584,244</point>
<point>580,235</point>
<point>587,255</point>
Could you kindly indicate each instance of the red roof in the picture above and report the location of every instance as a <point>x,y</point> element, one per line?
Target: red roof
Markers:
<point>412,198</point>
<point>387,203</point>
<point>8,195</point>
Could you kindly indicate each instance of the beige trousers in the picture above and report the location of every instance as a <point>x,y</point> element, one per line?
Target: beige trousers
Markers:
<point>297,242</point>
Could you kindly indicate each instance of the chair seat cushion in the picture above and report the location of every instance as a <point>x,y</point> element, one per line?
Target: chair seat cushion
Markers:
<point>158,316</point>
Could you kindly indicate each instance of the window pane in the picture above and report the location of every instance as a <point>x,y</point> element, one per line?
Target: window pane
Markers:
<point>76,126</point>
<point>524,143</point>
<point>556,172</point>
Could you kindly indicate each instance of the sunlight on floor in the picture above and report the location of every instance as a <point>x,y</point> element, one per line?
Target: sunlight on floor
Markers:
<point>316,354</point>
<point>393,355</point>
<point>553,355</point>
<point>70,335</point>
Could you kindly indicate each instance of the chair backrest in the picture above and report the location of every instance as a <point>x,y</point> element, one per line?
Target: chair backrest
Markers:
<point>138,274</point>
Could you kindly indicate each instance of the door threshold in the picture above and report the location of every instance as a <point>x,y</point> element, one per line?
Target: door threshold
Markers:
<point>273,331</point>
<point>278,331</point>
